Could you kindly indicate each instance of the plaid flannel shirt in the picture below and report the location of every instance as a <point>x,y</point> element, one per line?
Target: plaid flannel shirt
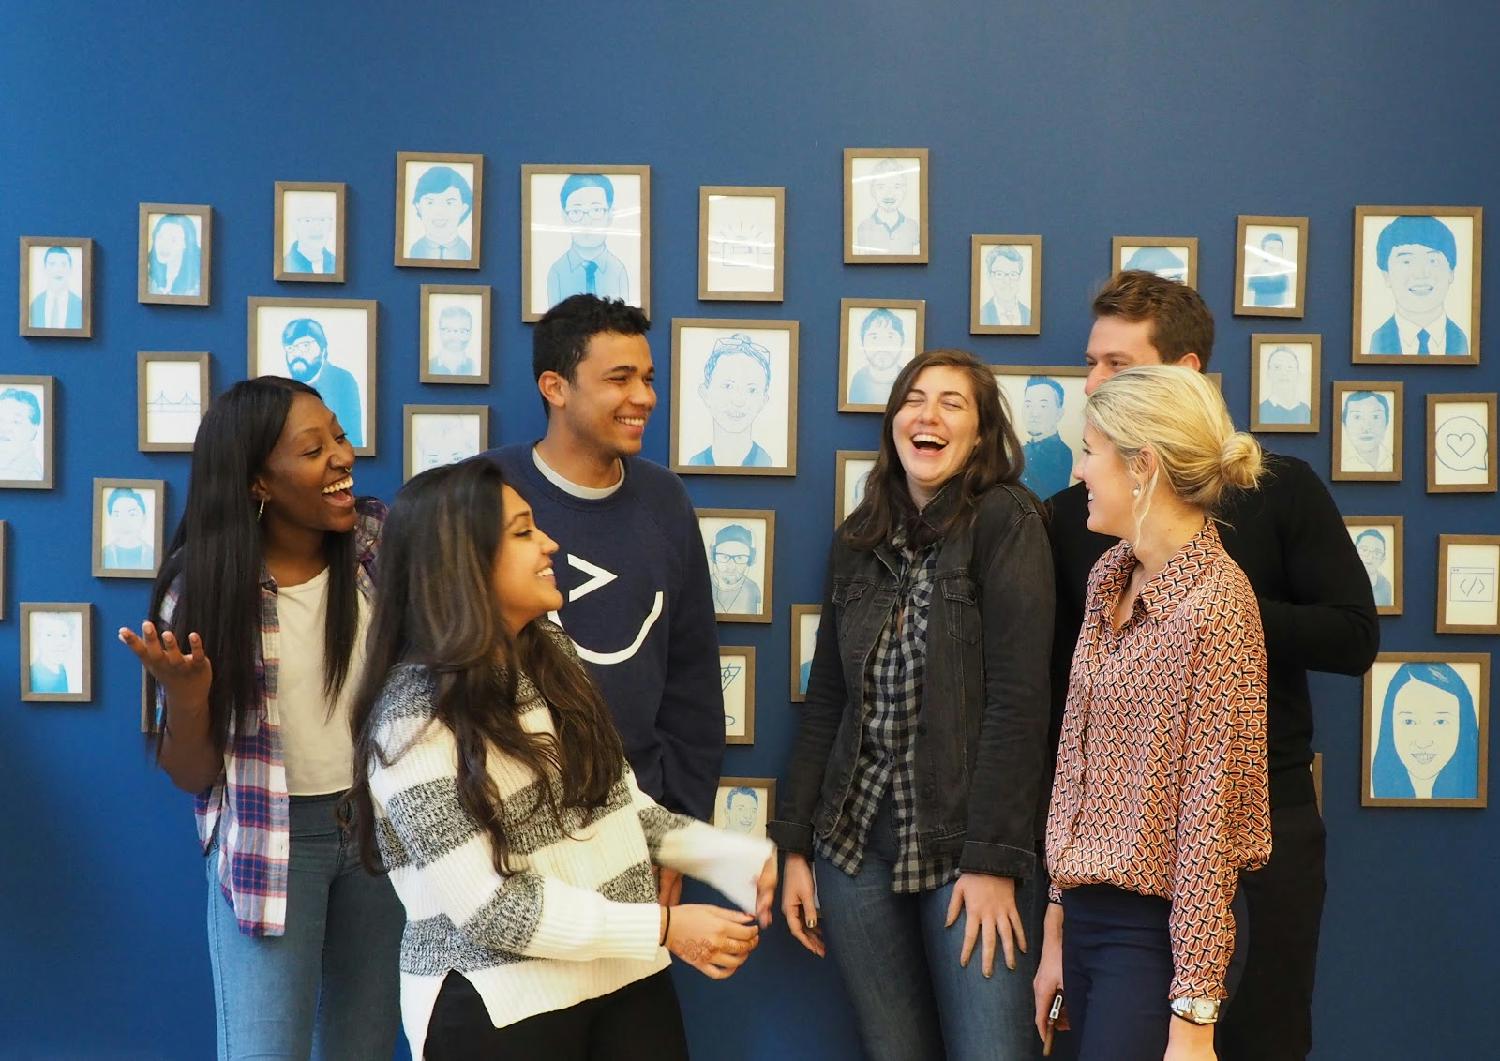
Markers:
<point>247,808</point>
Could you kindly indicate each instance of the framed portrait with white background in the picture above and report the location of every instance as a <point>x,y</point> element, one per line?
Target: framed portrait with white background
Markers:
<point>1426,730</point>
<point>1045,405</point>
<point>1416,284</point>
<point>435,435</point>
<point>1270,266</point>
<point>737,680</point>
<point>26,432</point>
<point>327,343</point>
<point>455,333</point>
<point>1461,443</point>
<point>877,337</point>
<point>1379,542</point>
<point>438,208</point>
<point>172,391</point>
<point>1468,576</point>
<point>885,205</point>
<point>1005,285</point>
<point>129,517</point>
<point>57,287</point>
<point>734,396</point>
<point>1169,257</point>
<point>741,244</point>
<point>745,804</point>
<point>309,232</point>
<point>175,247</point>
<point>1367,431</point>
<point>585,230</point>
<point>57,653</point>
<point>852,468</point>
<point>740,545</point>
<point>804,642</point>
<point>1286,383</point>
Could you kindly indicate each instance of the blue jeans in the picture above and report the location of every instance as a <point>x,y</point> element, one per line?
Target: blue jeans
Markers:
<point>912,999</point>
<point>330,987</point>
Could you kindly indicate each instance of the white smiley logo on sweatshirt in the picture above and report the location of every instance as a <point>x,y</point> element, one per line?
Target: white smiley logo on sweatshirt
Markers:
<point>599,578</point>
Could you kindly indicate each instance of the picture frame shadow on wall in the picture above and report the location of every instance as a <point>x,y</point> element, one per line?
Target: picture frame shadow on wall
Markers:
<point>327,343</point>
<point>310,232</point>
<point>852,468</point>
<point>805,619</point>
<point>741,244</point>
<point>585,229</point>
<point>1005,285</point>
<point>1169,257</point>
<point>175,249</point>
<point>436,435</point>
<point>1367,429</point>
<point>26,432</point>
<point>1380,543</point>
<point>172,391</point>
<point>1426,730</point>
<point>1461,443</point>
<point>1286,383</point>
<point>57,287</point>
<point>439,208</point>
<point>1468,583</point>
<point>1045,403</point>
<point>888,333</point>
<point>129,521</point>
<point>737,682</point>
<point>885,206</point>
<point>740,544</point>
<point>1416,284</point>
<point>57,657</point>
<point>734,396</point>
<point>455,325</point>
<point>745,805</point>
<point>1270,266</point>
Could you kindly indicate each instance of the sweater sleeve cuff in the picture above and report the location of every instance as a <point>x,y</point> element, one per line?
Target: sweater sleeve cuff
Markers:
<point>791,837</point>
<point>631,930</point>
<point>727,862</point>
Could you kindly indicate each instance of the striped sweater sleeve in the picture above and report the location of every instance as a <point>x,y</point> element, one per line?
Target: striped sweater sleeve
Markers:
<point>730,863</point>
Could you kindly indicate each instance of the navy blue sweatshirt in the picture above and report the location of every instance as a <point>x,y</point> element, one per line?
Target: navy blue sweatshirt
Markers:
<point>634,576</point>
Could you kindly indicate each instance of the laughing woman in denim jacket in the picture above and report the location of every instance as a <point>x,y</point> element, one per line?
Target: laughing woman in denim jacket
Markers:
<point>914,780</point>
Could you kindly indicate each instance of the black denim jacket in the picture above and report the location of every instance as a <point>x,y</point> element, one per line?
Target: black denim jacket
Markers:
<point>983,726</point>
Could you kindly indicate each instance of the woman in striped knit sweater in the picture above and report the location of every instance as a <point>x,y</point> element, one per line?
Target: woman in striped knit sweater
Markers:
<point>490,783</point>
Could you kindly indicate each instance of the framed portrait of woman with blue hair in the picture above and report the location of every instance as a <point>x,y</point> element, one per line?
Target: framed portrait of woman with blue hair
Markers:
<point>175,244</point>
<point>1426,730</point>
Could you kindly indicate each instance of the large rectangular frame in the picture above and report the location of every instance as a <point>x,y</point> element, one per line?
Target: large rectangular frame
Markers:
<point>1433,401</point>
<point>205,215</point>
<point>143,359</point>
<point>1444,625</point>
<point>1396,548</point>
<point>49,432</point>
<point>409,411</point>
<point>768,516</point>
<point>1482,707</point>
<point>484,291</point>
<point>530,169</point>
<point>1315,376</point>
<point>340,262</point>
<point>84,609</point>
<point>85,246</point>
<point>1342,387</point>
<point>976,285</point>
<point>157,487</point>
<point>1299,306</point>
<point>476,190</point>
<point>707,192</point>
<point>794,333</point>
<point>924,239</point>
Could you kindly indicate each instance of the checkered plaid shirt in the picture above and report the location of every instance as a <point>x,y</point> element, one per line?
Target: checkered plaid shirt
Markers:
<point>248,805</point>
<point>891,702</point>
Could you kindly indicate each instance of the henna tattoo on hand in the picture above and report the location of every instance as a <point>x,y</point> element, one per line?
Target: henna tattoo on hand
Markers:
<point>695,950</point>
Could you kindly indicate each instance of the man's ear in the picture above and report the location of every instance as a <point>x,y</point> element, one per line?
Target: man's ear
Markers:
<point>1190,360</point>
<point>554,389</point>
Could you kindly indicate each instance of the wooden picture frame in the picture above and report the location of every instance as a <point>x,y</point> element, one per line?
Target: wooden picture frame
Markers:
<point>746,582</point>
<point>990,265</point>
<point>190,285</point>
<point>1054,456</point>
<point>900,334</point>
<point>128,506</point>
<point>763,811</point>
<point>148,705</point>
<point>724,371</point>
<point>1379,339</point>
<point>1380,542</point>
<point>621,199</point>
<point>72,649</point>
<point>1155,254</point>
<point>868,173</point>
<point>78,304</point>
<point>737,683</point>
<point>796,660</point>
<point>732,235</point>
<point>1372,455</point>
<point>465,172</point>
<point>451,298</point>
<point>313,201</point>
<point>849,472</point>
<point>1261,284</point>
<point>28,395</point>
<point>172,392</point>
<point>1431,708</point>
<point>454,448</point>
<point>1268,416</point>
<point>1461,446</point>
<point>1468,584</point>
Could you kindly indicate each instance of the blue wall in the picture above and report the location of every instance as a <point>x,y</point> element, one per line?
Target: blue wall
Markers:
<point>1075,120</point>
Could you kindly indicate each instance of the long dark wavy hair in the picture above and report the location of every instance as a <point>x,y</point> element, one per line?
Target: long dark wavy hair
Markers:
<point>888,508</point>
<point>435,607</point>
<point>216,553</point>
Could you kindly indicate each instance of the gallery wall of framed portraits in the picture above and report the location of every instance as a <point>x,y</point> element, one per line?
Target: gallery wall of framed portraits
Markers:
<point>792,249</point>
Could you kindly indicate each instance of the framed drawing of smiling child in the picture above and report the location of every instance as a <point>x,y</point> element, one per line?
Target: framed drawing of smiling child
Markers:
<point>438,209</point>
<point>734,397</point>
<point>1416,285</point>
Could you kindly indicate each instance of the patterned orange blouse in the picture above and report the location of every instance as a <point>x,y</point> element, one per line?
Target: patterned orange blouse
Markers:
<point>1161,767</point>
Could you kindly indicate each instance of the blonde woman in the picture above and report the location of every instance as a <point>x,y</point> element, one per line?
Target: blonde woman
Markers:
<point>1160,797</point>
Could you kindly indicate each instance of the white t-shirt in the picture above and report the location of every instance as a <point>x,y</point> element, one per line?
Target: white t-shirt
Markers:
<point>316,747</point>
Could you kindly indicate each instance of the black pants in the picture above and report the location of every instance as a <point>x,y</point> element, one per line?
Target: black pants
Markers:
<point>640,1022</point>
<point>1271,1019</point>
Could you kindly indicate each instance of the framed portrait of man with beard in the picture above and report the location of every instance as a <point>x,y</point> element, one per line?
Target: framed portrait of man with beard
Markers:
<point>739,544</point>
<point>877,337</point>
<point>327,343</point>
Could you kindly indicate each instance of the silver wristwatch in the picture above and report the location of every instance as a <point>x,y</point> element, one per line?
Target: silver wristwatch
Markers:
<point>1196,1010</point>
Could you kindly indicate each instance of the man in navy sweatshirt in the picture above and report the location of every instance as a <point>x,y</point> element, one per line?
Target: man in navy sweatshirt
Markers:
<point>631,564</point>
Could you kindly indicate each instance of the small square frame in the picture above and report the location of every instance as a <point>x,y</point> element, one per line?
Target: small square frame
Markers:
<point>764,786</point>
<point>1119,243</point>
<point>205,216</point>
<point>796,662</point>
<point>1482,711</point>
<point>279,271</point>
<point>851,224</point>
<point>768,517</point>
<point>1341,388</point>
<point>747,653</point>
<point>1434,402</point>
<point>1242,308</point>
<point>706,196</point>
<point>1258,343</point>
<point>425,372</point>
<point>49,417</point>
<point>476,190</point>
<point>1395,551</point>
<point>144,359</point>
<point>977,271</point>
<point>1446,624</point>
<point>409,412</point>
<point>86,613</point>
<point>642,281</point>
<point>842,459</point>
<point>155,533</point>
<point>85,247</point>
<point>916,305</point>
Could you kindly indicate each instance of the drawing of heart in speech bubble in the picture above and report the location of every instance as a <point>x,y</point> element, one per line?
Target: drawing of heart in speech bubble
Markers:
<point>1463,444</point>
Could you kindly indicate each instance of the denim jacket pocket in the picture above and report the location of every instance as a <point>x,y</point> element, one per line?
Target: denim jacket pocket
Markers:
<point>961,609</point>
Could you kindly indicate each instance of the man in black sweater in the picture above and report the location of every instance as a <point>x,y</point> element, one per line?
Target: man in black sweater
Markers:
<point>1318,614</point>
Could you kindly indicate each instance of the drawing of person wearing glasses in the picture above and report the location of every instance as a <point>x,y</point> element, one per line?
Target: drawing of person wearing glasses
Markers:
<point>306,347</point>
<point>736,386</point>
<point>1003,266</point>
<point>735,592</point>
<point>588,267</point>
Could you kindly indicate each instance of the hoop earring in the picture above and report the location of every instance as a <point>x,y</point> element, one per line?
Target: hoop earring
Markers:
<point>262,510</point>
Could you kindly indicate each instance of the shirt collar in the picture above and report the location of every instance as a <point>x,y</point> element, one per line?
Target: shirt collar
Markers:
<point>1437,333</point>
<point>1168,586</point>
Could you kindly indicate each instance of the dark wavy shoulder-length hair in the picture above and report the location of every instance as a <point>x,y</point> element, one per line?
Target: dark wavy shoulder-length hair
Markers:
<point>436,607</point>
<point>216,556</point>
<point>888,507</point>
